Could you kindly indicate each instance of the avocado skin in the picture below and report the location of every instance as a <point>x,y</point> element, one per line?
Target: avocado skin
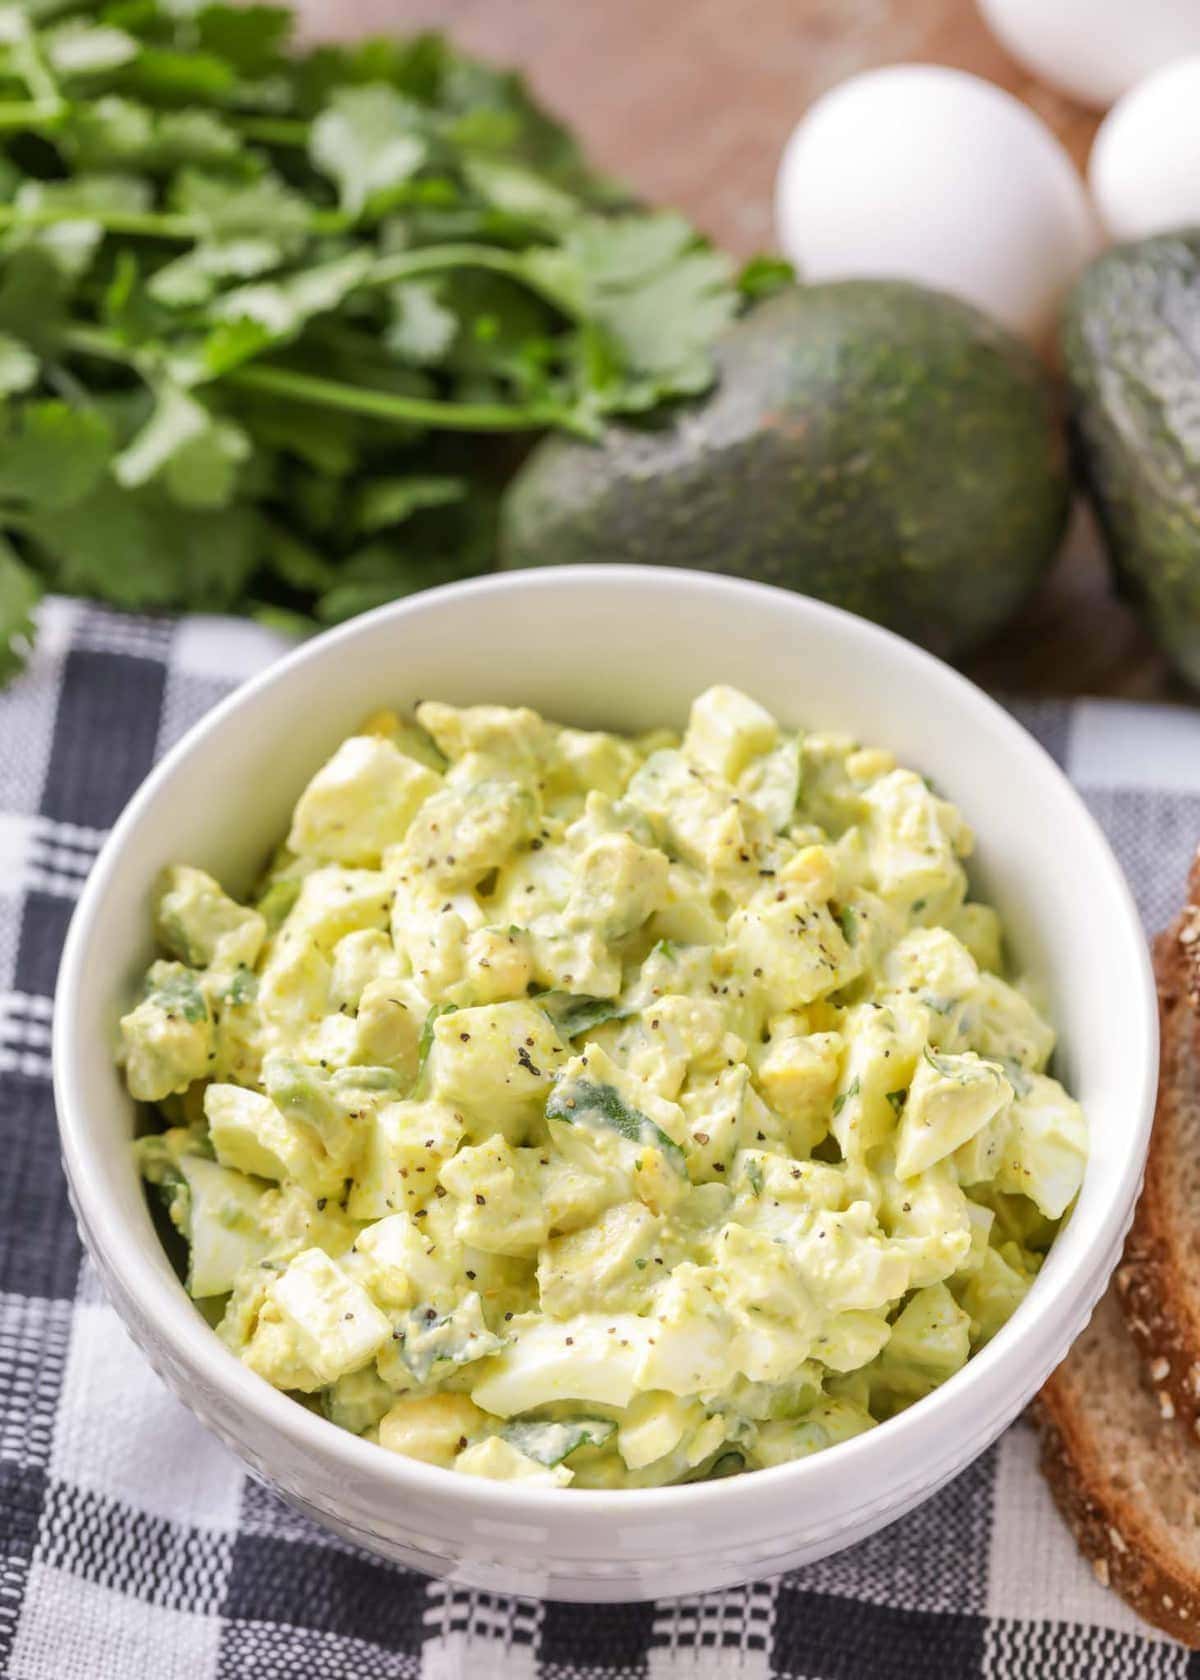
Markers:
<point>870,442</point>
<point>1131,347</point>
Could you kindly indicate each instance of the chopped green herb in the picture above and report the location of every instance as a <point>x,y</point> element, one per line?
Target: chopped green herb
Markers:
<point>939,1005</point>
<point>588,1103</point>
<point>848,917</point>
<point>754,1174</point>
<point>550,1443</point>
<point>176,991</point>
<point>426,1338</point>
<point>1017,1076</point>
<point>843,1097</point>
<point>243,988</point>
<point>897,1100</point>
<point>425,1042</point>
<point>575,1015</point>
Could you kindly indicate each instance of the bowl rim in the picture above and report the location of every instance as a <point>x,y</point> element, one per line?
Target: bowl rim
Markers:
<point>173,1320</point>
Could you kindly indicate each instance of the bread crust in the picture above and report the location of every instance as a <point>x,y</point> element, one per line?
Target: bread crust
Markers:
<point>1110,1532</point>
<point>1159,1293</point>
<point>1159,1298</point>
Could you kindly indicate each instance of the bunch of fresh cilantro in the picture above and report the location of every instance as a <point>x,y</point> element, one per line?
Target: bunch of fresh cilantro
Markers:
<point>263,314</point>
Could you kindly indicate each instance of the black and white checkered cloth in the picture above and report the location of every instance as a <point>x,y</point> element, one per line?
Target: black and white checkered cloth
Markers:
<point>132,1544</point>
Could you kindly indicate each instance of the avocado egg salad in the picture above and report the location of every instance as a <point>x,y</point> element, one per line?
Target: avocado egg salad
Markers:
<point>573,1109</point>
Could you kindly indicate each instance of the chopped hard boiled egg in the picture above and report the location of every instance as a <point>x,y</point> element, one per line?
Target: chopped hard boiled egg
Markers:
<point>573,1110</point>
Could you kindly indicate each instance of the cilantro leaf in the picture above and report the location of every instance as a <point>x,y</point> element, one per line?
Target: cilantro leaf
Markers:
<point>262,208</point>
<point>18,366</point>
<point>77,48</point>
<point>422,329</point>
<point>258,309</point>
<point>194,278</point>
<point>282,307</point>
<point>388,501</point>
<point>116,132</point>
<point>134,549</point>
<point>383,572</point>
<point>763,275</point>
<point>368,139</point>
<point>51,455</point>
<point>195,453</point>
<point>19,592</point>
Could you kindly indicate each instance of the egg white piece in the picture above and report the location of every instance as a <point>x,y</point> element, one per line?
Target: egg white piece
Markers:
<point>1144,170</point>
<point>927,174</point>
<point>1094,50</point>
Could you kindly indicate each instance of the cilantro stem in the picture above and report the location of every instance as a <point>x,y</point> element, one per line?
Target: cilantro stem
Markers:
<point>293,386</point>
<point>32,67</point>
<point>94,341</point>
<point>273,131</point>
<point>406,265</point>
<point>136,223</point>
<point>142,224</point>
<point>387,405</point>
<point>30,113</point>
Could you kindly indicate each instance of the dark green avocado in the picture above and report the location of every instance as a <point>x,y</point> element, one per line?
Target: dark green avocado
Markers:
<point>1131,345</point>
<point>881,446</point>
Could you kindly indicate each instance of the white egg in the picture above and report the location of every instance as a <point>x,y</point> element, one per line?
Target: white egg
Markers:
<point>1144,170</point>
<point>927,174</point>
<point>1094,50</point>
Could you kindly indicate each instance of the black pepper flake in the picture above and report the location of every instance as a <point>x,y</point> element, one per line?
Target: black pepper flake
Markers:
<point>480,1200</point>
<point>526,1062</point>
<point>321,1201</point>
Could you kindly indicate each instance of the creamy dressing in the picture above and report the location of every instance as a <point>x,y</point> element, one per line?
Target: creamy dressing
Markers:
<point>570,1108</point>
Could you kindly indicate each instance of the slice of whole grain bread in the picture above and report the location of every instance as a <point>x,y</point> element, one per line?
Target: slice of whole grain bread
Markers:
<point>1158,1280</point>
<point>1126,1478</point>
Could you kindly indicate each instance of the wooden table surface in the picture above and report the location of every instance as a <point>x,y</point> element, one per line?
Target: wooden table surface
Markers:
<point>691,101</point>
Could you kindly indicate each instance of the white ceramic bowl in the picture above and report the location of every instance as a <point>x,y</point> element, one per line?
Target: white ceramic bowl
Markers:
<point>625,648</point>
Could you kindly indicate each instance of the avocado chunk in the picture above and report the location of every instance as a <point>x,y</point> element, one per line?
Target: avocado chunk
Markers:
<point>873,443</point>
<point>1129,346</point>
